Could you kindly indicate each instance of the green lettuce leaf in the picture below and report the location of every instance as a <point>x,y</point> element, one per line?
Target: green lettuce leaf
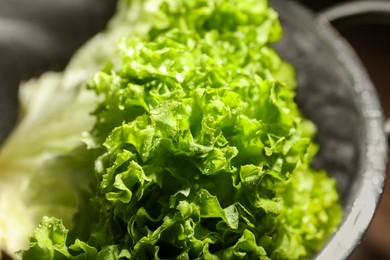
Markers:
<point>198,149</point>
<point>54,111</point>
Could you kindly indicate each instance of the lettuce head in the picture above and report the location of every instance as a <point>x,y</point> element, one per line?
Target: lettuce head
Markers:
<point>174,134</point>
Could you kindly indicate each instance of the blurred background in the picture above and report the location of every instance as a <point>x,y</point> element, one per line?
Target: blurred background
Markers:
<point>371,41</point>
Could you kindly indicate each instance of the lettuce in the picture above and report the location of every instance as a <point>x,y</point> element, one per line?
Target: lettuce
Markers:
<point>54,110</point>
<point>195,149</point>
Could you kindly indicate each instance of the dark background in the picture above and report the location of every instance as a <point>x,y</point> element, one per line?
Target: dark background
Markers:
<point>371,41</point>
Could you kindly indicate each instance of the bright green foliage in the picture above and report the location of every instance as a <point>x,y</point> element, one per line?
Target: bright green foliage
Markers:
<point>202,151</point>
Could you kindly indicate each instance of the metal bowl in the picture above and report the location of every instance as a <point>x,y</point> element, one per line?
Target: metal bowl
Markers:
<point>337,94</point>
<point>334,91</point>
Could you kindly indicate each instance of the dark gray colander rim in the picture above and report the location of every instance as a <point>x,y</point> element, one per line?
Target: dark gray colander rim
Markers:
<point>374,158</point>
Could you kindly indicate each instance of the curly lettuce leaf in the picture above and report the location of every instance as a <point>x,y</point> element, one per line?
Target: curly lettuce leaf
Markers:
<point>199,148</point>
<point>54,110</point>
<point>49,242</point>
